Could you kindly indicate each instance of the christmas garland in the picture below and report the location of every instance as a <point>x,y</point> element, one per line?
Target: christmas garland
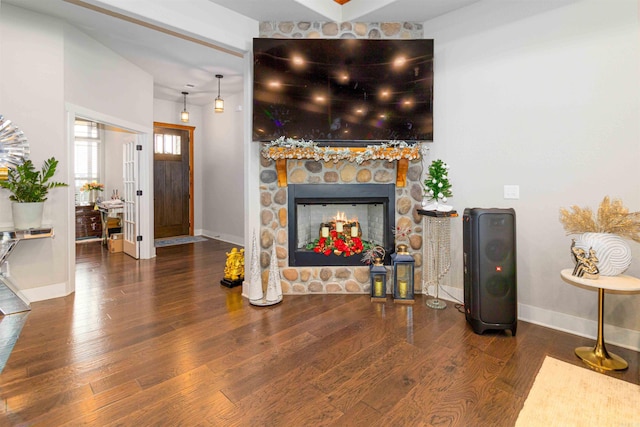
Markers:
<point>289,148</point>
<point>338,244</point>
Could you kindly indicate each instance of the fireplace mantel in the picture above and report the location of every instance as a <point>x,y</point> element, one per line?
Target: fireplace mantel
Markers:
<point>400,155</point>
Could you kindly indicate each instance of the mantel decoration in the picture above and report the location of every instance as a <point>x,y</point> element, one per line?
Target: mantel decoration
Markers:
<point>437,187</point>
<point>289,148</point>
<point>29,189</point>
<point>339,241</point>
<point>600,248</point>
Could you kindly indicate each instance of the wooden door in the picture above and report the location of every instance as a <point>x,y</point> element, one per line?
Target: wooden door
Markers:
<point>172,177</point>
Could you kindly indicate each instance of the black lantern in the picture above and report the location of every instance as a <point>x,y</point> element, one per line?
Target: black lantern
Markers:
<point>403,266</point>
<point>378,275</point>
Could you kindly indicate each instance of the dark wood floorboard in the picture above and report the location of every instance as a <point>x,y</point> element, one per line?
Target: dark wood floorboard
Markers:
<point>161,343</point>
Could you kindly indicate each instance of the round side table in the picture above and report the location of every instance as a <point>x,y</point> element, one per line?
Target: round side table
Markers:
<point>598,357</point>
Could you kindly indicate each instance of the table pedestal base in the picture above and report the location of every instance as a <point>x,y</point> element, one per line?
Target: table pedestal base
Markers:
<point>599,358</point>
<point>436,303</point>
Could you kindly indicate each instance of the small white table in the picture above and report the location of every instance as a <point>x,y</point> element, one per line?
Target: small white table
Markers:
<point>598,357</point>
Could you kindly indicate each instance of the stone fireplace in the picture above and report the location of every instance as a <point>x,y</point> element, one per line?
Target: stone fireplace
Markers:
<point>275,219</point>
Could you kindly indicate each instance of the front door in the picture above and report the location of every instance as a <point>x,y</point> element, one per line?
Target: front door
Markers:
<point>172,178</point>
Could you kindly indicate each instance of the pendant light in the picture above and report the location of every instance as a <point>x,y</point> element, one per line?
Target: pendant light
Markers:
<point>184,116</point>
<point>219,102</point>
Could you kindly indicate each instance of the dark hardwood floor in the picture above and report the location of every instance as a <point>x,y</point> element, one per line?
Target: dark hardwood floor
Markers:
<point>161,343</point>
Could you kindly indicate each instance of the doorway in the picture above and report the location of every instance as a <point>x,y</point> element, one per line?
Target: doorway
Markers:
<point>173,180</point>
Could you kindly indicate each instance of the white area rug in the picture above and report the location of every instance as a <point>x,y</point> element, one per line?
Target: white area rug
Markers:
<point>567,395</point>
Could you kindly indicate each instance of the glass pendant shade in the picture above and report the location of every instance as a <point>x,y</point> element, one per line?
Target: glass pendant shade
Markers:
<point>218,105</point>
<point>184,116</point>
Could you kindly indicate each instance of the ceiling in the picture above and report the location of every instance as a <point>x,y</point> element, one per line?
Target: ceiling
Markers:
<point>176,62</point>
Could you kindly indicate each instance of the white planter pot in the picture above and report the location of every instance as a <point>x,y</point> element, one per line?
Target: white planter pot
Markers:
<point>612,251</point>
<point>27,215</point>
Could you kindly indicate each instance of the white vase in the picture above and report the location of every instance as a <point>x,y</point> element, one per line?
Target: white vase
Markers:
<point>612,251</point>
<point>27,215</point>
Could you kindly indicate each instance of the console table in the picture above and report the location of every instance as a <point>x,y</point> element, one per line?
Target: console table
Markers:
<point>598,357</point>
<point>10,302</point>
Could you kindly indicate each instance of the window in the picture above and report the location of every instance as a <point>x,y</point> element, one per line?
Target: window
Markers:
<point>88,150</point>
<point>167,144</point>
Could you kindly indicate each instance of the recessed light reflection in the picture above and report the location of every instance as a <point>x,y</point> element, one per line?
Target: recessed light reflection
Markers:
<point>399,61</point>
<point>320,98</point>
<point>298,60</point>
<point>274,84</point>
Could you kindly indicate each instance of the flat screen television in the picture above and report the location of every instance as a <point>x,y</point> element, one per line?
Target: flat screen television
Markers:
<point>343,91</point>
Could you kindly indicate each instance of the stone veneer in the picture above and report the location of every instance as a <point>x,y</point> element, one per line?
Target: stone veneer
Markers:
<point>325,279</point>
<point>273,199</point>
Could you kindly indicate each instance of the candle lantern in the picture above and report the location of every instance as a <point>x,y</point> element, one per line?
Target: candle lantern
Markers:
<point>378,275</point>
<point>403,268</point>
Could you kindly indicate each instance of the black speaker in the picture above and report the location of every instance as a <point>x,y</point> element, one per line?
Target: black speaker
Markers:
<point>489,250</point>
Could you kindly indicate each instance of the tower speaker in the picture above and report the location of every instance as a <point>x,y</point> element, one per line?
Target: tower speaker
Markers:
<point>489,250</point>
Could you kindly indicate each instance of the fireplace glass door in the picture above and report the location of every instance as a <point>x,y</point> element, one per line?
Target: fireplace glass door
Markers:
<point>337,224</point>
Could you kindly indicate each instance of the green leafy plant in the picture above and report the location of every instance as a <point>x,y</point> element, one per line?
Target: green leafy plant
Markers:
<point>28,185</point>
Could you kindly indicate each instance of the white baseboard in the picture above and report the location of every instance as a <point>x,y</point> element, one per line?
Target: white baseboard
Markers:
<point>234,240</point>
<point>614,335</point>
<point>45,292</point>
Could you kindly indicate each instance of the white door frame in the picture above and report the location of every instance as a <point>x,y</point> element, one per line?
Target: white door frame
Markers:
<point>145,182</point>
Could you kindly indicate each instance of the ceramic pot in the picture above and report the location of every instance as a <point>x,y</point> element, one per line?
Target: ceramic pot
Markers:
<point>612,251</point>
<point>27,215</point>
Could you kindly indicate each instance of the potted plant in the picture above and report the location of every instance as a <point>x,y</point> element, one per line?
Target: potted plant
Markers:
<point>29,188</point>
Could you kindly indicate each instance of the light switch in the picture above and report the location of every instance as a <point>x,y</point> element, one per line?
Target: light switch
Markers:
<point>511,191</point>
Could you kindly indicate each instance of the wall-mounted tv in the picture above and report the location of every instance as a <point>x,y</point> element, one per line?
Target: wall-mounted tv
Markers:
<point>343,91</point>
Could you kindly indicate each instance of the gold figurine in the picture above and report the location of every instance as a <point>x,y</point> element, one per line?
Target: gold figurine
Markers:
<point>585,264</point>
<point>234,267</point>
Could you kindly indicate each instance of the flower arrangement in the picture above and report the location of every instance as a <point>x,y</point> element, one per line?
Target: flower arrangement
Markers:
<point>370,254</point>
<point>289,148</point>
<point>90,186</point>
<point>338,244</point>
<point>612,217</point>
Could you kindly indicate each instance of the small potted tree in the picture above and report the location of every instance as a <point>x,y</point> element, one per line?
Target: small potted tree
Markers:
<point>29,188</point>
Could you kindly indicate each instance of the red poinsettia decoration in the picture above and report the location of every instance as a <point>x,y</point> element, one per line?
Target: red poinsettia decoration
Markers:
<point>338,244</point>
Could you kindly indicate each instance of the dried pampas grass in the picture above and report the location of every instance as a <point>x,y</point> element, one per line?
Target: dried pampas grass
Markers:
<point>612,217</point>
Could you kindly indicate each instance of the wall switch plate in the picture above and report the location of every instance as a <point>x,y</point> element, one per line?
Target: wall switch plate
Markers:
<point>511,191</point>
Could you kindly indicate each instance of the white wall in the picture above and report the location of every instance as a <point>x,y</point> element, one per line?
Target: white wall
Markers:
<point>32,97</point>
<point>169,112</point>
<point>547,100</point>
<point>48,67</point>
<point>223,172</point>
<point>98,79</point>
<point>218,165</point>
